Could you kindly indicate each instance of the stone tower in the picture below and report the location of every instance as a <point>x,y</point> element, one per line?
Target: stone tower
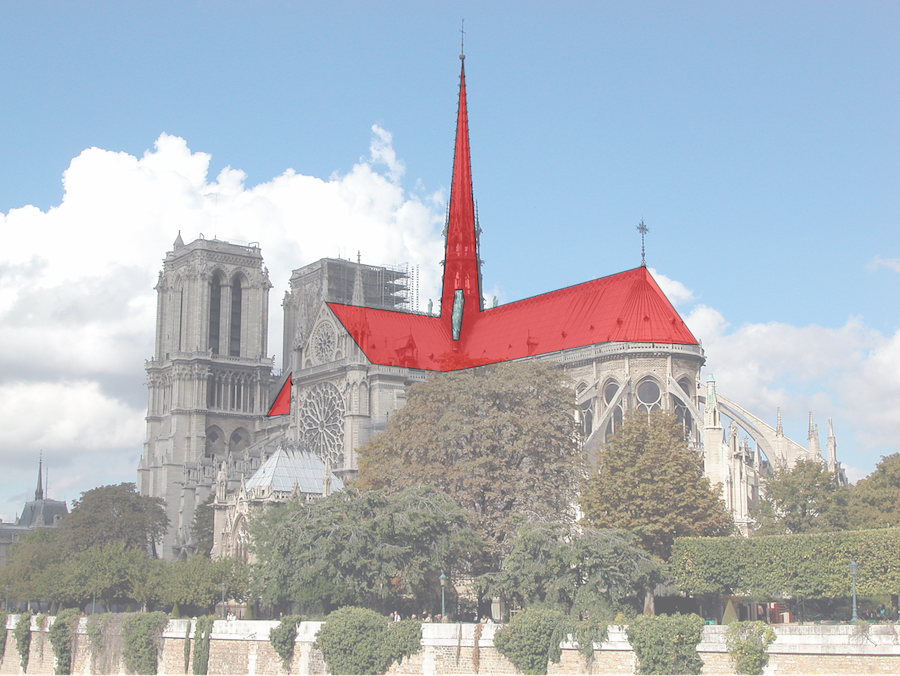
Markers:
<point>208,381</point>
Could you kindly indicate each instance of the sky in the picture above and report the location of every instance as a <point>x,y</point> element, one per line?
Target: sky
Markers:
<point>758,141</point>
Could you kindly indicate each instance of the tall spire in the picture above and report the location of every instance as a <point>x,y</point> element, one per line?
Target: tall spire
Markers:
<point>461,295</point>
<point>39,493</point>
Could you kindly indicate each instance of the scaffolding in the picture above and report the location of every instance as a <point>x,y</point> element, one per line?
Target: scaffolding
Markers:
<point>388,287</point>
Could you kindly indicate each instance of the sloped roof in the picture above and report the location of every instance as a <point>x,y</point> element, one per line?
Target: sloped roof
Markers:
<point>289,467</point>
<point>625,307</point>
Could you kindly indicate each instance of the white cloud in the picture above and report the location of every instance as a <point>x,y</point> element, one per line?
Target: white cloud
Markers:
<point>676,292</point>
<point>890,263</point>
<point>77,305</point>
<point>850,373</point>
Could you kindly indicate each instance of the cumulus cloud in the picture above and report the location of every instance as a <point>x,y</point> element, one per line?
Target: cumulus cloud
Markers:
<point>850,373</point>
<point>77,305</point>
<point>890,263</point>
<point>675,291</point>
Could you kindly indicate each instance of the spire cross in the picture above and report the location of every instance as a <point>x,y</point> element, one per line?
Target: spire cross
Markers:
<point>643,229</point>
<point>462,40</point>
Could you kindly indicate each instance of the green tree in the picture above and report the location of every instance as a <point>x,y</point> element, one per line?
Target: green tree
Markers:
<point>597,571</point>
<point>198,582</point>
<point>500,440</point>
<point>32,568</point>
<point>874,502</point>
<point>804,499</point>
<point>110,571</point>
<point>372,549</point>
<point>114,513</point>
<point>649,481</point>
<point>203,525</point>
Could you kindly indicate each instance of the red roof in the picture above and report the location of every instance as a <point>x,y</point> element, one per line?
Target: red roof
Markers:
<point>626,307</point>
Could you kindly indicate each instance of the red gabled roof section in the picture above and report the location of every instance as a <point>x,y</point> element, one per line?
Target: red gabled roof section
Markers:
<point>626,307</point>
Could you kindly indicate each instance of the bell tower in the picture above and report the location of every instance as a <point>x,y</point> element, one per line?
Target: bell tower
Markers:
<point>208,380</point>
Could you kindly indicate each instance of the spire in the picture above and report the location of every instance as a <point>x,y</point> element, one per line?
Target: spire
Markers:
<point>178,241</point>
<point>831,447</point>
<point>779,430</point>
<point>39,493</point>
<point>461,295</point>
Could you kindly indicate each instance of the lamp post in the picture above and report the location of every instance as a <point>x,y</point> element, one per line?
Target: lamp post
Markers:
<point>222,584</point>
<point>854,569</point>
<point>443,580</point>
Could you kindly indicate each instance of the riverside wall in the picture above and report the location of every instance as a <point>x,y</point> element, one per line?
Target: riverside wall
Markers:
<point>242,647</point>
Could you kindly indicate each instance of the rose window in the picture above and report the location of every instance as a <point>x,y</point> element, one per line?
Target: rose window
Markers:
<point>322,423</point>
<point>324,341</point>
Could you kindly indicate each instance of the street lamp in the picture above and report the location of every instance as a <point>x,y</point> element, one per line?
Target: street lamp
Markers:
<point>443,579</point>
<point>854,569</point>
<point>222,584</point>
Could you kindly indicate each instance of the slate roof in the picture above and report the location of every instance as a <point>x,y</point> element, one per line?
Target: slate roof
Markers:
<point>289,467</point>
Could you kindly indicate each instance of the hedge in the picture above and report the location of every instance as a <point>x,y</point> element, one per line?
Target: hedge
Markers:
<point>789,566</point>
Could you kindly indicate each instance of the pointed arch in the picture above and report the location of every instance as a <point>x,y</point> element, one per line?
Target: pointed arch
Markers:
<point>216,283</point>
<point>215,441</point>
<point>239,298</point>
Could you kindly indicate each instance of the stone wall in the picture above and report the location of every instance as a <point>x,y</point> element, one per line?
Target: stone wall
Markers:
<point>242,647</point>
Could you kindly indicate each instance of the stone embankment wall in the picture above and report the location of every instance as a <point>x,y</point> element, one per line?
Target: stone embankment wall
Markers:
<point>242,647</point>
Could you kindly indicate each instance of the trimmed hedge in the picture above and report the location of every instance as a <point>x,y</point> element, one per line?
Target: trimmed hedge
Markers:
<point>789,566</point>
<point>666,644</point>
<point>360,641</point>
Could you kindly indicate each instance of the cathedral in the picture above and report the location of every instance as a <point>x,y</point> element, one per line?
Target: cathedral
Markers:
<point>353,341</point>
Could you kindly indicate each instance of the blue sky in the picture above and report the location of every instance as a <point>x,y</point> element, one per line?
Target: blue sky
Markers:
<point>758,141</point>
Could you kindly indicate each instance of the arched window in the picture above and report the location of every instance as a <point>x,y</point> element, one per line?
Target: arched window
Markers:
<point>234,342</point>
<point>587,418</point>
<point>648,396</point>
<point>240,439</point>
<point>682,412</point>
<point>615,419</point>
<point>215,311</point>
<point>215,442</point>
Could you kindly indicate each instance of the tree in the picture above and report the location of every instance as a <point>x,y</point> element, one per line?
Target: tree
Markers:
<point>372,549</point>
<point>804,499</point>
<point>587,569</point>
<point>198,582</point>
<point>651,482</point>
<point>114,513</point>
<point>501,440</point>
<point>32,568</point>
<point>107,570</point>
<point>203,525</point>
<point>874,502</point>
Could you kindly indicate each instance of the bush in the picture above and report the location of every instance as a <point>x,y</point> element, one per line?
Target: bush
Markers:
<point>3,637</point>
<point>532,640</point>
<point>22,632</point>
<point>62,632</point>
<point>360,641</point>
<point>202,630</point>
<point>666,644</point>
<point>747,643</point>
<point>187,647</point>
<point>142,637</point>
<point>282,638</point>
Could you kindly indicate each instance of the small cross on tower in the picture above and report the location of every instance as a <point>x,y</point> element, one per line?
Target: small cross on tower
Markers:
<point>462,41</point>
<point>643,229</point>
